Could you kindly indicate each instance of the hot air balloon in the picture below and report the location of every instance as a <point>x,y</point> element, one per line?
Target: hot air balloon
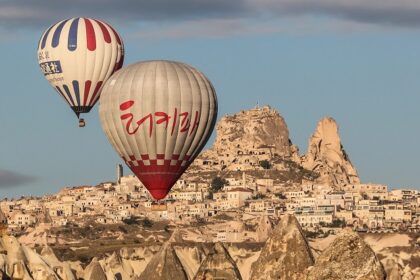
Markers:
<point>158,115</point>
<point>77,56</point>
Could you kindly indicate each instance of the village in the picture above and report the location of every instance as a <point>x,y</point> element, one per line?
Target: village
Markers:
<point>363,207</point>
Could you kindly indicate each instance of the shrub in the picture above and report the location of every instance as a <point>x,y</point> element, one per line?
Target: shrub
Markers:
<point>265,164</point>
<point>217,184</point>
<point>131,221</point>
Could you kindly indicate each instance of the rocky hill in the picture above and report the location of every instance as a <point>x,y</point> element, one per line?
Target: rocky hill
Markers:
<point>246,140</point>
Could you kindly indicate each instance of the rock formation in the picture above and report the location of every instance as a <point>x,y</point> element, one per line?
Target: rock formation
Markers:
<point>244,256</point>
<point>286,254</point>
<point>248,137</point>
<point>164,265</point>
<point>94,271</point>
<point>15,258</point>
<point>347,258</point>
<point>136,259</point>
<point>190,258</point>
<point>327,157</point>
<point>21,262</point>
<point>392,269</point>
<point>62,269</point>
<point>252,129</point>
<point>116,268</point>
<point>218,265</point>
<point>264,229</point>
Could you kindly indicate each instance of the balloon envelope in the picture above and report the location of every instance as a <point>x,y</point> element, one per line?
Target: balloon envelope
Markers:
<point>77,56</point>
<point>158,115</point>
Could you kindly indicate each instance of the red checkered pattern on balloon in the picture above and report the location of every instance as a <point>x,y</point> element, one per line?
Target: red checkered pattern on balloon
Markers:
<point>158,164</point>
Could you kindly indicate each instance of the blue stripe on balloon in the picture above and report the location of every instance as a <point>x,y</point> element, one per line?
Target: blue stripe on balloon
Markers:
<point>72,45</point>
<point>76,91</point>
<point>57,33</point>
<point>66,88</point>
<point>44,39</point>
<point>60,91</point>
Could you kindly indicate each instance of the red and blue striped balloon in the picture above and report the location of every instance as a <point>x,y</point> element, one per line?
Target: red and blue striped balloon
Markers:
<point>77,56</point>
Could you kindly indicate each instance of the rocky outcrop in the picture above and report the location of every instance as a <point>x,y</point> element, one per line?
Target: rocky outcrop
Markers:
<point>18,261</point>
<point>264,228</point>
<point>347,258</point>
<point>15,260</point>
<point>244,256</point>
<point>190,258</point>
<point>246,138</point>
<point>94,271</point>
<point>164,265</point>
<point>392,269</point>
<point>327,157</point>
<point>136,259</point>
<point>286,254</point>
<point>116,268</point>
<point>62,269</point>
<point>218,265</point>
<point>248,130</point>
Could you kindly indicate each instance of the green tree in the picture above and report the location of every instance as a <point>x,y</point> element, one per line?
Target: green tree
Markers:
<point>131,221</point>
<point>280,195</point>
<point>265,164</point>
<point>338,224</point>
<point>217,184</point>
<point>259,196</point>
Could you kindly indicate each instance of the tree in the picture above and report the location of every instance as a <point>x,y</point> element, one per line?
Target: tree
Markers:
<point>217,184</point>
<point>259,196</point>
<point>265,164</point>
<point>131,221</point>
<point>338,223</point>
<point>280,195</point>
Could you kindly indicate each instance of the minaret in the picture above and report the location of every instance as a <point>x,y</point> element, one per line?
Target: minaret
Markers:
<point>243,180</point>
<point>120,172</point>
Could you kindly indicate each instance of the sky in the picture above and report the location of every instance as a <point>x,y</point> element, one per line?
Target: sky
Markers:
<point>356,61</point>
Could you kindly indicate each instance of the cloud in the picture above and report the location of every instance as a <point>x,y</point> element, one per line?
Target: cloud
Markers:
<point>403,13</point>
<point>238,27</point>
<point>208,28</point>
<point>12,179</point>
<point>46,12</point>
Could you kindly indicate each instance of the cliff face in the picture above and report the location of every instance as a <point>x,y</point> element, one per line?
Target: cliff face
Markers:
<point>286,254</point>
<point>327,157</point>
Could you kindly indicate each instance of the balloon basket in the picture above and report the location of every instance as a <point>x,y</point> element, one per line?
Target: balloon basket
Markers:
<point>82,123</point>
